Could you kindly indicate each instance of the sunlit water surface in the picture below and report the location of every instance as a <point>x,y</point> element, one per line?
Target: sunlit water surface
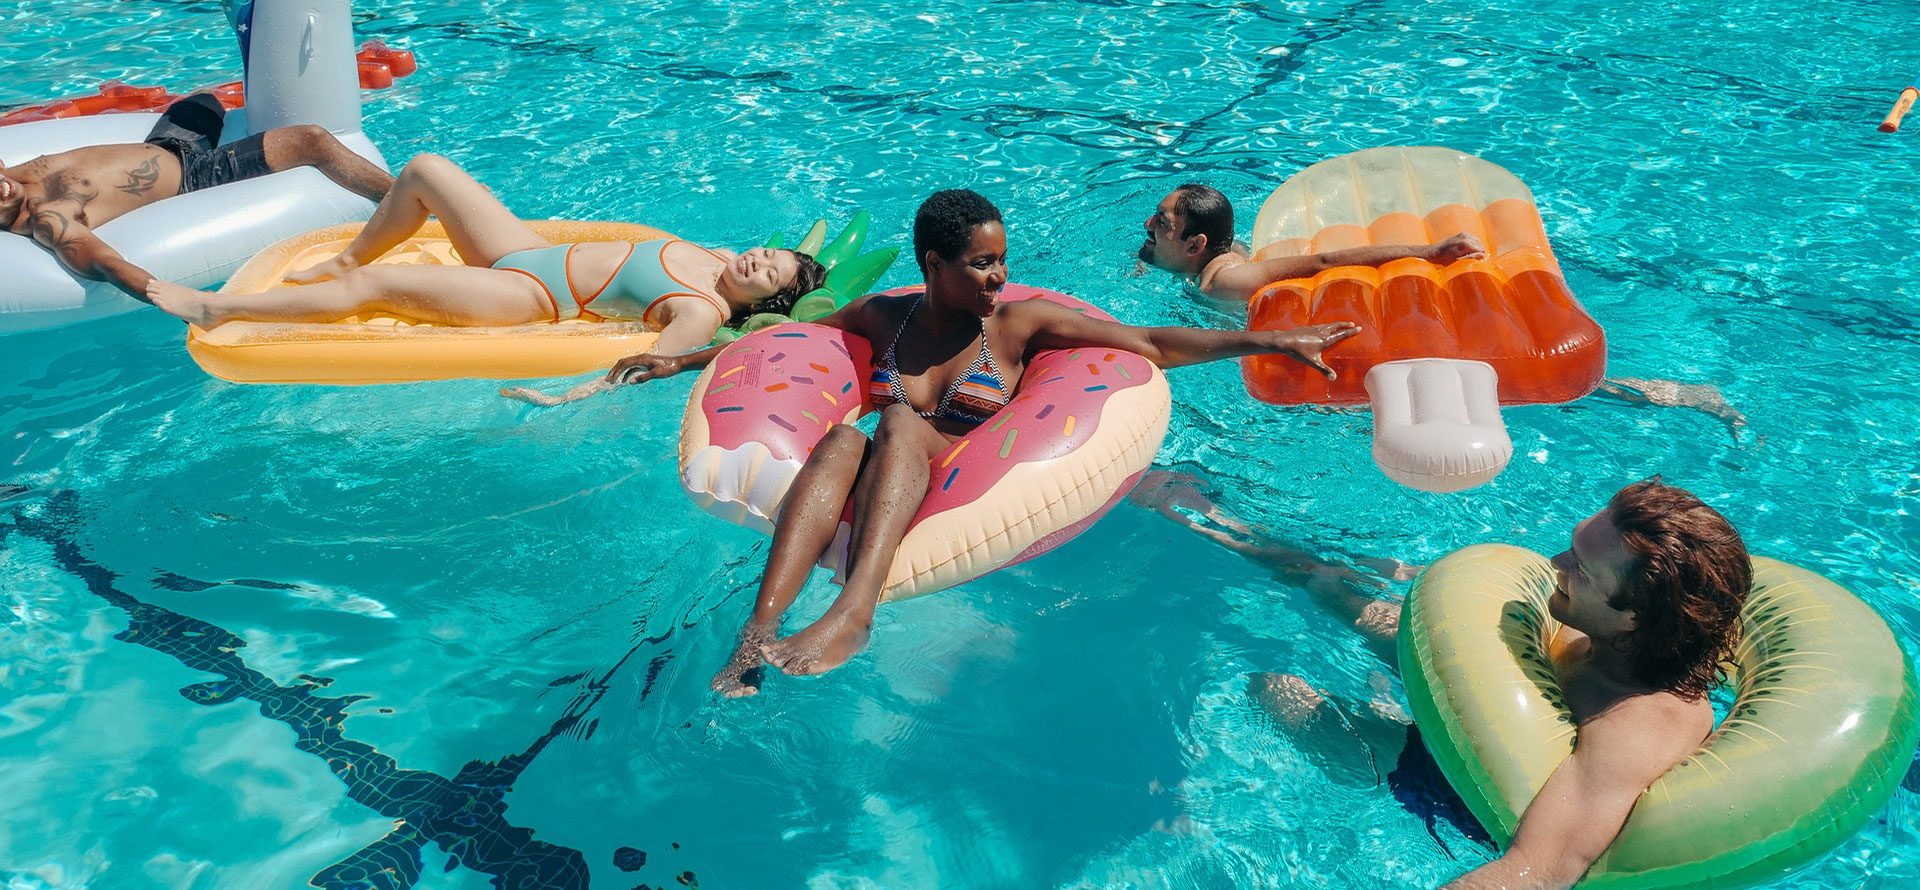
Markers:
<point>423,636</point>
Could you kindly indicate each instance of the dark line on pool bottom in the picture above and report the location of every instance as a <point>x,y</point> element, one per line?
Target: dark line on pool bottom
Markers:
<point>465,815</point>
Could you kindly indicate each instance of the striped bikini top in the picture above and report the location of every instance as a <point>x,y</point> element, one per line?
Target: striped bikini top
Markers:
<point>972,398</point>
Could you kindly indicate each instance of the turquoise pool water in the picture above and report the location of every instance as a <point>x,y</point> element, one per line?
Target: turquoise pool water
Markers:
<point>261,635</point>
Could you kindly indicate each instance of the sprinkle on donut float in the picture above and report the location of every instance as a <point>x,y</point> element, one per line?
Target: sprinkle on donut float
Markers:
<point>1083,425</point>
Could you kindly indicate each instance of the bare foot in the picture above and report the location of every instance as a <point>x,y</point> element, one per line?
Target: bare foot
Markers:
<point>547,400</point>
<point>820,647</point>
<point>1460,247</point>
<point>742,674</point>
<point>334,268</point>
<point>185,303</point>
<point>1285,697</point>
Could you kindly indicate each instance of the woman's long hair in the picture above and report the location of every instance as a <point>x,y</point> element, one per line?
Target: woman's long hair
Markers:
<point>806,280</point>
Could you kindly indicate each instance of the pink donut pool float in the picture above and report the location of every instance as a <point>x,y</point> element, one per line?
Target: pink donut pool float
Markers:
<point>1082,426</point>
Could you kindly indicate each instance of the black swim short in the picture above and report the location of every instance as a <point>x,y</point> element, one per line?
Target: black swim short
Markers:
<point>190,129</point>
<point>1417,783</point>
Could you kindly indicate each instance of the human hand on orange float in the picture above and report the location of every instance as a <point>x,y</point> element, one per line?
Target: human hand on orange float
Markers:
<point>1306,344</point>
<point>1460,247</point>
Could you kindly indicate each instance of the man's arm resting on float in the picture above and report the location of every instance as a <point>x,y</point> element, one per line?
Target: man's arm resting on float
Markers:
<point>1057,327</point>
<point>1578,812</point>
<point>1240,281</point>
<point>85,255</point>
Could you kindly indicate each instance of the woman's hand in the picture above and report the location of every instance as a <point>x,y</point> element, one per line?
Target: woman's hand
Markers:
<point>1305,345</point>
<point>644,367</point>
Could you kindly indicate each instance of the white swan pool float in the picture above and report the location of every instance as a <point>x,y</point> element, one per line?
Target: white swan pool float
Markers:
<point>300,69</point>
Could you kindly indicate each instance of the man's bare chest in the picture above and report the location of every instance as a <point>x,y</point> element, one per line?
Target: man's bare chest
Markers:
<point>107,187</point>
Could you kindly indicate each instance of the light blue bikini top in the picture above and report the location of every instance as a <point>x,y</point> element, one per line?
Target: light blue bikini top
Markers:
<point>638,285</point>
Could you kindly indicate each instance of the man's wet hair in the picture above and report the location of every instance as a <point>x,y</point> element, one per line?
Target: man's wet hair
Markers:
<point>1205,212</point>
<point>807,279</point>
<point>945,222</point>
<point>1691,577</point>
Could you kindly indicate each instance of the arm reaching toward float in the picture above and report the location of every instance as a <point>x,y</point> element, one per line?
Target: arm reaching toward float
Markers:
<point>1241,280</point>
<point>679,343</point>
<point>1051,326</point>
<point>85,255</point>
<point>656,365</point>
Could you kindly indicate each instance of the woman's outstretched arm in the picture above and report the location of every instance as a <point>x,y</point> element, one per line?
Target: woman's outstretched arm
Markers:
<point>686,329</point>
<point>1050,326</point>
<point>661,363</point>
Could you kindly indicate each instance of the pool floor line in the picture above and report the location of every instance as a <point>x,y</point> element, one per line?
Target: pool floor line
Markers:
<point>465,815</point>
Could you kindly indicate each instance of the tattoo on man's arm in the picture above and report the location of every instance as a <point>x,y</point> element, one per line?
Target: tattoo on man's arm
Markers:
<point>50,227</point>
<point>55,230</point>
<point>142,179</point>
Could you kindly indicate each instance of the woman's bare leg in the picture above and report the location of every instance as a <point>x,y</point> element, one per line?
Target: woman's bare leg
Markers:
<point>481,228</point>
<point>806,527</point>
<point>448,295</point>
<point>884,503</point>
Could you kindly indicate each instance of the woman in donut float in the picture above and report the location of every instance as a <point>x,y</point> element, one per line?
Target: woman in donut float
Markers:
<point>513,275</point>
<point>948,366</point>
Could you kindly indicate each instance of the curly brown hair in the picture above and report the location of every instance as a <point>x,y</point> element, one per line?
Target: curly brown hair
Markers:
<point>1691,577</point>
<point>807,278</point>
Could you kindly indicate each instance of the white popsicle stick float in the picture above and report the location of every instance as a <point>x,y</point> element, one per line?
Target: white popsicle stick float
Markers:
<point>1436,423</point>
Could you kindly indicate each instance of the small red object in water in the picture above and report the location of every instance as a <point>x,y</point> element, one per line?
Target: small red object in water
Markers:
<point>379,64</point>
<point>375,76</point>
<point>400,61</point>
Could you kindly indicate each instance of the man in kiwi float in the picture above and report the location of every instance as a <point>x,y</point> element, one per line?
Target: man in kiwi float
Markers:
<point>1648,595</point>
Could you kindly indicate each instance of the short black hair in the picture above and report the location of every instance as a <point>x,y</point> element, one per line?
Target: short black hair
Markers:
<point>945,222</point>
<point>806,279</point>
<point>1206,212</point>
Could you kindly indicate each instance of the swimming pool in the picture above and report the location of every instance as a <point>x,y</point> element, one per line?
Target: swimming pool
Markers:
<point>494,625</point>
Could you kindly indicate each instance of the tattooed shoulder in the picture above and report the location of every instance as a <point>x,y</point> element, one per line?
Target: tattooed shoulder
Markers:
<point>59,232</point>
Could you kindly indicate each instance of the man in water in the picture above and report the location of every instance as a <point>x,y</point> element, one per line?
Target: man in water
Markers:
<point>1191,234</point>
<point>59,199</point>
<point>1649,595</point>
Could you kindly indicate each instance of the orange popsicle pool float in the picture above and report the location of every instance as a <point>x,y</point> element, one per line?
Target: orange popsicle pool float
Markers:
<point>1511,310</point>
